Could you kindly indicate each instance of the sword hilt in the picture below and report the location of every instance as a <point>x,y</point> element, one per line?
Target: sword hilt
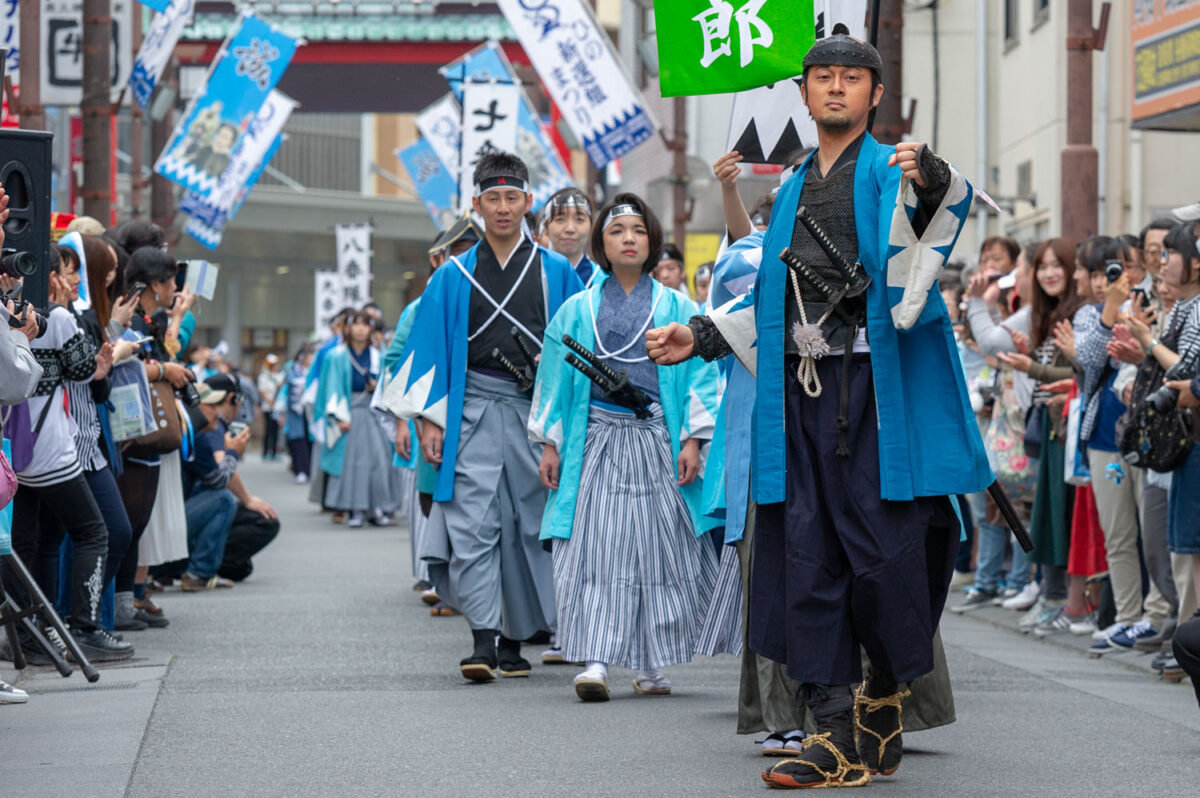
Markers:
<point>588,372</point>
<point>523,345</point>
<point>857,279</point>
<point>819,283</point>
<point>524,383</point>
<point>591,358</point>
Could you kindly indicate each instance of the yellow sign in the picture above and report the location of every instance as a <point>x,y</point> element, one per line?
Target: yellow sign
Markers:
<point>698,249</point>
<point>1166,58</point>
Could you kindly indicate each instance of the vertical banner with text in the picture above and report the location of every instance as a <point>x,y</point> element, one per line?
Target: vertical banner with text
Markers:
<point>354,263</point>
<point>157,47</point>
<point>489,123</point>
<point>547,172</point>
<point>575,60</point>
<point>327,301</point>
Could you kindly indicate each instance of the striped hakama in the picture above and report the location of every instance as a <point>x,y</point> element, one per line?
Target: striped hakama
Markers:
<point>368,480</point>
<point>633,581</point>
<point>722,629</point>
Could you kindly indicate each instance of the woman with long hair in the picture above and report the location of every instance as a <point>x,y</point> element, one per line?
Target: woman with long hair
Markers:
<point>358,455</point>
<point>633,572</point>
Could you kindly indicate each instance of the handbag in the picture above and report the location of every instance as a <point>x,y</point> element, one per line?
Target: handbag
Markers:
<point>167,435</point>
<point>131,406</point>
<point>8,478</point>
<point>6,510</point>
<point>24,438</point>
<point>1004,440</point>
<point>1035,429</point>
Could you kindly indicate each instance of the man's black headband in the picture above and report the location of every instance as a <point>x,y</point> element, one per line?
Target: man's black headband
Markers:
<point>500,181</point>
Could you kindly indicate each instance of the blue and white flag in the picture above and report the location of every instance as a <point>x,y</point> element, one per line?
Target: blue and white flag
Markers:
<point>156,49</point>
<point>207,223</point>
<point>575,60</point>
<point>203,144</point>
<point>158,5</point>
<point>547,174</point>
<point>433,183</point>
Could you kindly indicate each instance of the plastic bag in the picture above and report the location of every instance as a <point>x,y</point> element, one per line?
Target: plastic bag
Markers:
<point>132,413</point>
<point>1075,467</point>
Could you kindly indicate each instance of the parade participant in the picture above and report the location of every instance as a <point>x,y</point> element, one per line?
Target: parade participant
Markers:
<point>317,487</point>
<point>700,284</point>
<point>482,542</point>
<point>669,270</point>
<point>855,454</point>
<point>632,578</point>
<point>356,456</point>
<point>567,221</point>
<point>295,425</point>
<point>417,477</point>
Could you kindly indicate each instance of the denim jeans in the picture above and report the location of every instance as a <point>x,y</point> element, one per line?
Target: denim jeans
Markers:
<point>990,561</point>
<point>209,516</point>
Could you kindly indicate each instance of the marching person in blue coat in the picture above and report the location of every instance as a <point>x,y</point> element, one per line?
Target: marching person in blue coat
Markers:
<point>632,574</point>
<point>356,455</point>
<point>567,222</point>
<point>862,422</point>
<point>482,542</point>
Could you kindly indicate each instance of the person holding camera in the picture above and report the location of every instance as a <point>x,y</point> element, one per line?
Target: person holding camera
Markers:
<point>54,497</point>
<point>1181,273</point>
<point>1117,485</point>
<point>150,274</point>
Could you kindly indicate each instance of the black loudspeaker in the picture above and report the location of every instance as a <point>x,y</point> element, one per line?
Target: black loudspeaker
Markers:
<point>25,169</point>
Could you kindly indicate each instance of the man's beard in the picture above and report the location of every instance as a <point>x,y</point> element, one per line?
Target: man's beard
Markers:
<point>835,123</point>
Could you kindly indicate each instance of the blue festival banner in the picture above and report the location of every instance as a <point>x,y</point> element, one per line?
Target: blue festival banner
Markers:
<point>436,186</point>
<point>203,143</point>
<point>157,48</point>
<point>547,174</point>
<point>158,5</point>
<point>207,222</point>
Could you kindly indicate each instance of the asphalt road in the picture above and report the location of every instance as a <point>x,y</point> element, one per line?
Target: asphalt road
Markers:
<point>324,675</point>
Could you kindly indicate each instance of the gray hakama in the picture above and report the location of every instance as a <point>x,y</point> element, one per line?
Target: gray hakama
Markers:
<point>368,480</point>
<point>411,507</point>
<point>633,581</point>
<point>722,629</point>
<point>482,547</point>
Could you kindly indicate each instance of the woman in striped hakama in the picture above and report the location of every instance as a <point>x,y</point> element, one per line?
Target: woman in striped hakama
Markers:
<point>632,573</point>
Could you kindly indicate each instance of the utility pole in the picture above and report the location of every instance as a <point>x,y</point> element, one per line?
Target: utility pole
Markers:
<point>890,125</point>
<point>137,135</point>
<point>679,173</point>
<point>1080,163</point>
<point>97,109</point>
<point>30,78</point>
<point>162,199</point>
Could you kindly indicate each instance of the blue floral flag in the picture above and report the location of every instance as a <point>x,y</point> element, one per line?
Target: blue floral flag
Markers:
<point>203,143</point>
<point>436,186</point>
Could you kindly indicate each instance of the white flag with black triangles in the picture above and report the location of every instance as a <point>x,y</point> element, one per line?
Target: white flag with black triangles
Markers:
<point>770,124</point>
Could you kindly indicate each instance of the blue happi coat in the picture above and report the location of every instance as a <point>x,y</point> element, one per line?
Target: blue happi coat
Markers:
<point>333,401</point>
<point>562,397</point>
<point>929,443</point>
<point>727,472</point>
<point>433,367</point>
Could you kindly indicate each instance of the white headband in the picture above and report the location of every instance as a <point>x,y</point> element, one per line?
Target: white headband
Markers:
<point>622,210</point>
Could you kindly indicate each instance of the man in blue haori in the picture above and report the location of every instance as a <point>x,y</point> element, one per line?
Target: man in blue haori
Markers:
<point>862,425</point>
<point>456,374</point>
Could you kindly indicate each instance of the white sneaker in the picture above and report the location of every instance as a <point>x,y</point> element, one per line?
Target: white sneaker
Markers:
<point>1031,618</point>
<point>12,695</point>
<point>302,479</point>
<point>1023,600</point>
<point>1084,626</point>
<point>962,580</point>
<point>1108,631</point>
<point>1005,595</point>
<point>355,521</point>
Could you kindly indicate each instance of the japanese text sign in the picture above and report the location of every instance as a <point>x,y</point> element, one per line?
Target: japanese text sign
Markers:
<point>62,49</point>
<point>489,124</point>
<point>718,46</point>
<point>354,263</point>
<point>576,62</point>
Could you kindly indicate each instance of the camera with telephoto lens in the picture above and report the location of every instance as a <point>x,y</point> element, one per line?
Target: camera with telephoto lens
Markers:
<point>1165,398</point>
<point>16,264</point>
<point>19,305</point>
<point>189,395</point>
<point>1113,269</point>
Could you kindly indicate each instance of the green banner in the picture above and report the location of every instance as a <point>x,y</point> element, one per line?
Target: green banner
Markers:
<point>719,46</point>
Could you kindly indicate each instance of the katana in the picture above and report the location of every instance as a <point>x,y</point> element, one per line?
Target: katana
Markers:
<point>614,382</point>
<point>525,376</point>
<point>857,280</point>
<point>1010,516</point>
